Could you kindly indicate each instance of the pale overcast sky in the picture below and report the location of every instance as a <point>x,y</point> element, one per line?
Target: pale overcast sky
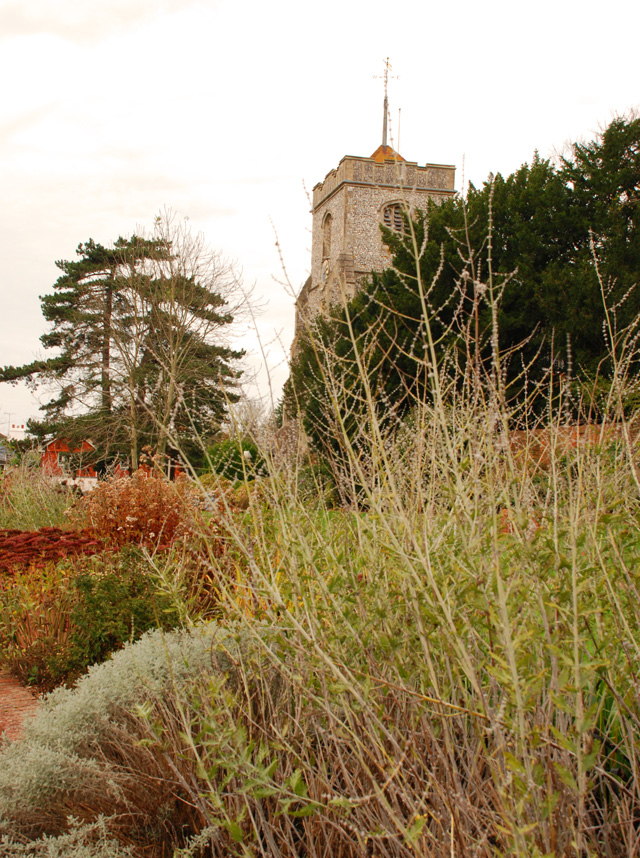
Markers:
<point>113,110</point>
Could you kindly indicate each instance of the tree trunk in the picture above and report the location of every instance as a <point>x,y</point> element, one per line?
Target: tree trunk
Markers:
<point>107,403</point>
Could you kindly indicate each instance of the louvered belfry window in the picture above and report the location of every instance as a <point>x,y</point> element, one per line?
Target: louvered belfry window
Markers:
<point>392,217</point>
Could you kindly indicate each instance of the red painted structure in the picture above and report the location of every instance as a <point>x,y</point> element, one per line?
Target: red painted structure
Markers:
<point>60,460</point>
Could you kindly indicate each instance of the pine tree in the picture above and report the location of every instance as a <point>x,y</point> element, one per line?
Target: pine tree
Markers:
<point>140,330</point>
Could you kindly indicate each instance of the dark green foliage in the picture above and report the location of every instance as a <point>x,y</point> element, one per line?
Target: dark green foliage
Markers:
<point>360,366</point>
<point>549,246</point>
<point>87,304</point>
<point>278,413</point>
<point>605,177</point>
<point>236,459</point>
<point>116,604</point>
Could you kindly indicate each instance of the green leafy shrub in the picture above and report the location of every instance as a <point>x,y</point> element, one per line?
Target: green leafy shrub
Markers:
<point>55,622</point>
<point>236,459</point>
<point>118,601</point>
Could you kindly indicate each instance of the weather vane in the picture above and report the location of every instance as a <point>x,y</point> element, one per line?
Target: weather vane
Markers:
<point>385,77</point>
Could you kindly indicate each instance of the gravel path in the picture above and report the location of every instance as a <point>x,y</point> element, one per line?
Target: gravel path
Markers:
<point>16,704</point>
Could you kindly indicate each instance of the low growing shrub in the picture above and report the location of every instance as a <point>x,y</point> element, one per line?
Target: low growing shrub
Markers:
<point>20,549</point>
<point>236,459</point>
<point>118,601</point>
<point>83,840</point>
<point>55,622</point>
<point>84,757</point>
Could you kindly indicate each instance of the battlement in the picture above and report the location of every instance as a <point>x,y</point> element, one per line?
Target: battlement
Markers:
<point>393,172</point>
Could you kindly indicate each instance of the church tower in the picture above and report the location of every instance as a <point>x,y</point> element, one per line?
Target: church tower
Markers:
<point>349,207</point>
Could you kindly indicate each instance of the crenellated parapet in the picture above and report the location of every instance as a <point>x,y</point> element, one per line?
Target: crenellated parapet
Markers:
<point>389,172</point>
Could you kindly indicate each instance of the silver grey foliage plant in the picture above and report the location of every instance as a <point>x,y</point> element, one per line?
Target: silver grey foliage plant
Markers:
<point>84,840</point>
<point>60,754</point>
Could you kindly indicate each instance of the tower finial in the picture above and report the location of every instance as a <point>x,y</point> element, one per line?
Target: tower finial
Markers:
<point>385,77</point>
<point>386,102</point>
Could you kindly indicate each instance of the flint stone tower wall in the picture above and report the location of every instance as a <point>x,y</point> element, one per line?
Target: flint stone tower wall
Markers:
<point>348,209</point>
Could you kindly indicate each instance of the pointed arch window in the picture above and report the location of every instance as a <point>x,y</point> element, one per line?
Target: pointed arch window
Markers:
<point>326,236</point>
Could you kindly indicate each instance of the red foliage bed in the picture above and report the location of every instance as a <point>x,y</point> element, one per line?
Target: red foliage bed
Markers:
<point>22,549</point>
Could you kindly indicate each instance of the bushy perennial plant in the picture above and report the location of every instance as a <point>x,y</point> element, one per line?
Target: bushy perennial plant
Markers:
<point>84,840</point>
<point>143,509</point>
